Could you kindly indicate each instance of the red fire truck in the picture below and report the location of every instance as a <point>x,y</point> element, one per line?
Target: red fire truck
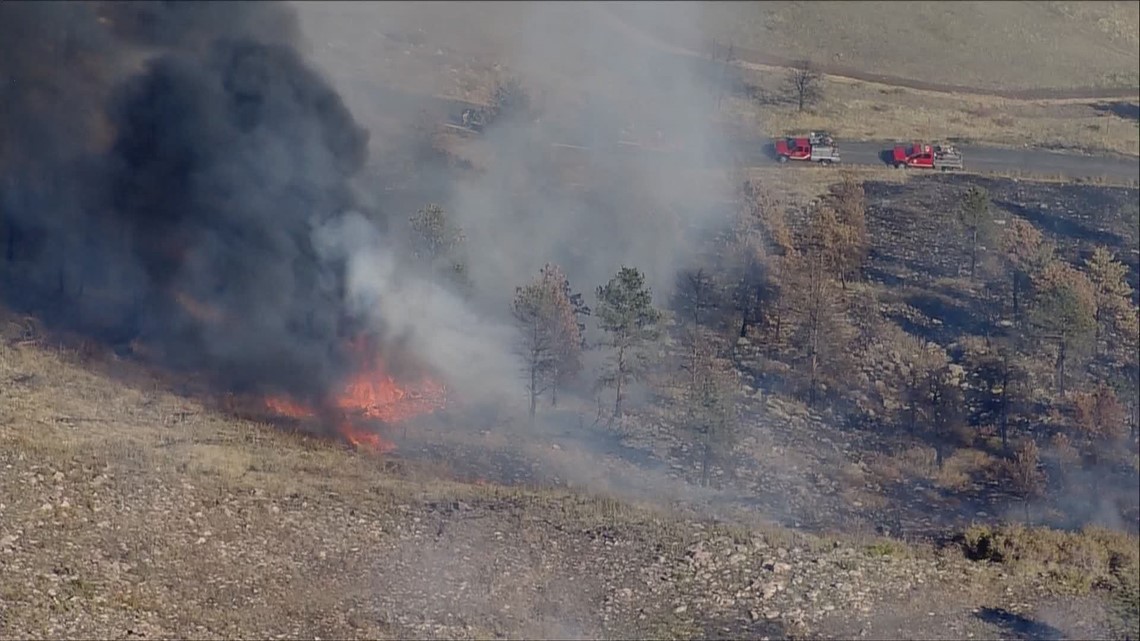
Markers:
<point>923,156</point>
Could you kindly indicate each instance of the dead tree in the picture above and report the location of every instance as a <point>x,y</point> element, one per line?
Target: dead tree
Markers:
<point>805,84</point>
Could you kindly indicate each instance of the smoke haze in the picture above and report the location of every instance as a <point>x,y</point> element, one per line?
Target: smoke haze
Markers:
<point>164,166</point>
<point>177,173</point>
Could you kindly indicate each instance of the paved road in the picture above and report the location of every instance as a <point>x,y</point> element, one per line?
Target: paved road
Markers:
<point>1039,162</point>
<point>757,150</point>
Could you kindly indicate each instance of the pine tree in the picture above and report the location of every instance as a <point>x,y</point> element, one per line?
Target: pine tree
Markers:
<point>550,339</point>
<point>1113,295</point>
<point>709,403</point>
<point>626,314</point>
<point>1025,253</point>
<point>1063,313</point>
<point>976,220</point>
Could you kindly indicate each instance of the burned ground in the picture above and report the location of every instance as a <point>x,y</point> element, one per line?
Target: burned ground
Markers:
<point>920,244</point>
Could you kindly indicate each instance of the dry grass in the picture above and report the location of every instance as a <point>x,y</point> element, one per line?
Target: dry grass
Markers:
<point>160,515</point>
<point>458,51</point>
<point>961,470</point>
<point>983,44</point>
<point>862,110</point>
<point>799,186</point>
<point>1078,561</point>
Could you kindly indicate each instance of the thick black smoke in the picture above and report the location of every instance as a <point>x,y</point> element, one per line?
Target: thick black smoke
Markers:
<point>162,168</point>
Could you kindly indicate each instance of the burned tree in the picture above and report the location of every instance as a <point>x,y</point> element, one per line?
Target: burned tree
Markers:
<point>1113,297</point>
<point>708,397</point>
<point>626,314</point>
<point>697,296</point>
<point>1023,470</point>
<point>825,238</point>
<point>757,262</point>
<point>1099,415</point>
<point>1063,314</point>
<point>821,336</point>
<point>974,217</point>
<point>549,337</point>
<point>947,410</point>
<point>919,363</point>
<point>850,203</point>
<point>805,84</point>
<point>572,329</point>
<point>998,378</point>
<point>1024,253</point>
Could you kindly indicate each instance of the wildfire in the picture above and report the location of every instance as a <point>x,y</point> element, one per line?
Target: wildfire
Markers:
<point>371,393</point>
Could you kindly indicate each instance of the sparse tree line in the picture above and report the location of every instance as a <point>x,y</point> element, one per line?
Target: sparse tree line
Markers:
<point>1055,371</point>
<point>1059,357</point>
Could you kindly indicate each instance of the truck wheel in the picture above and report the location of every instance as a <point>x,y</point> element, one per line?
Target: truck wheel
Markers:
<point>825,162</point>
<point>899,165</point>
<point>781,159</point>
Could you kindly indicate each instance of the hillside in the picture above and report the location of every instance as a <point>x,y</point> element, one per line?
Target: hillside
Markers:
<point>459,52</point>
<point>987,45</point>
<point>132,513</point>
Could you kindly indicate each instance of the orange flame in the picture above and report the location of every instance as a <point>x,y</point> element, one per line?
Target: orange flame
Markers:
<point>369,441</point>
<point>371,393</point>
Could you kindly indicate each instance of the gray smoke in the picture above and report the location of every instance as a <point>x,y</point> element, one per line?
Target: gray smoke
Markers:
<point>591,207</point>
<point>176,173</point>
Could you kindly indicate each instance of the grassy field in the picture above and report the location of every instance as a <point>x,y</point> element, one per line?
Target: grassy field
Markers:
<point>869,111</point>
<point>999,45</point>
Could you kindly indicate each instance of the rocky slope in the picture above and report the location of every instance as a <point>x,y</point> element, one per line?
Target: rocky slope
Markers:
<point>126,512</point>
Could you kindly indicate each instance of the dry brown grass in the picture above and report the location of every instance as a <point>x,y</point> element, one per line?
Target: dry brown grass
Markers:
<point>1078,561</point>
<point>155,508</point>
<point>798,186</point>
<point>863,110</point>
<point>457,51</point>
<point>960,471</point>
<point>984,44</point>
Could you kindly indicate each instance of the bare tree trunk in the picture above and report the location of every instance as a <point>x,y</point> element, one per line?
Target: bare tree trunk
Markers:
<point>1004,427</point>
<point>812,383</point>
<point>1061,368</point>
<point>1096,331</point>
<point>778,328</point>
<point>533,389</point>
<point>973,251</point>
<point>705,459</point>
<point>1016,296</point>
<point>618,383</point>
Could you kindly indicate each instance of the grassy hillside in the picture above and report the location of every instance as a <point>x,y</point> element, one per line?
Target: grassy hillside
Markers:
<point>128,511</point>
<point>995,45</point>
<point>458,51</point>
